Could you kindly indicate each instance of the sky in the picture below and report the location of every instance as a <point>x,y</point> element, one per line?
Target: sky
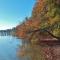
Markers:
<point>13,12</point>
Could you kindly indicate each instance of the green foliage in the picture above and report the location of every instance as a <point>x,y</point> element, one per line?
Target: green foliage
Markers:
<point>56,32</point>
<point>48,14</point>
<point>53,15</point>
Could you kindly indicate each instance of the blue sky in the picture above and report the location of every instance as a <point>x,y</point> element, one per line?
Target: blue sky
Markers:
<point>13,12</point>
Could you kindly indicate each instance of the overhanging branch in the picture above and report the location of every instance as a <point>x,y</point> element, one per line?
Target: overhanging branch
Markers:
<point>44,30</point>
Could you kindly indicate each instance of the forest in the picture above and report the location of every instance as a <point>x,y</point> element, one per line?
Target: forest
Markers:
<point>43,25</point>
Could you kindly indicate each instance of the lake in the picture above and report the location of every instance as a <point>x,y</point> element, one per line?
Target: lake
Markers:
<point>8,47</point>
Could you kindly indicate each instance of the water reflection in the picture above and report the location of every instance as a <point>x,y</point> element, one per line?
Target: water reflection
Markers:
<point>31,51</point>
<point>42,51</point>
<point>8,47</point>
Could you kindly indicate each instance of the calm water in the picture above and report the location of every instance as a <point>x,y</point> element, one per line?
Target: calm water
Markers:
<point>8,47</point>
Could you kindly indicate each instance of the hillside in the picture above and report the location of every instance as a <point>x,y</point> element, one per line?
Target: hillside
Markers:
<point>43,25</point>
<point>45,16</point>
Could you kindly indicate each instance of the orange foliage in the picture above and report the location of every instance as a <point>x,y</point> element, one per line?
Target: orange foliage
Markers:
<point>38,7</point>
<point>31,24</point>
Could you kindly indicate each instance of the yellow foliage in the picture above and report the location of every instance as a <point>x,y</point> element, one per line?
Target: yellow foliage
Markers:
<point>56,32</point>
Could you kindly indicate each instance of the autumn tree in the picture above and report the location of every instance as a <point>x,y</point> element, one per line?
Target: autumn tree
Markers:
<point>48,12</point>
<point>45,19</point>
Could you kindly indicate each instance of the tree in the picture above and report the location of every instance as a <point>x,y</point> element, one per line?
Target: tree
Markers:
<point>45,18</point>
<point>48,12</point>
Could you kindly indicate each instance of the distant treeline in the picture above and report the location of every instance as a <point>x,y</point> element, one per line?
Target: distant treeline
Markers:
<point>8,32</point>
